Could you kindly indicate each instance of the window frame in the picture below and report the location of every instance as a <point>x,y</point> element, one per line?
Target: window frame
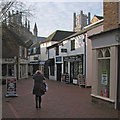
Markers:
<point>102,87</point>
<point>72,45</point>
<point>57,50</point>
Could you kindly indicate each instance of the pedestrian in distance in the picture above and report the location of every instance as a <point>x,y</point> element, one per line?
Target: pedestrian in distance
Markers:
<point>38,85</point>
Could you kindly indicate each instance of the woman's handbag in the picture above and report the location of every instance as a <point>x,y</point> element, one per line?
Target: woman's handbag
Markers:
<point>43,88</point>
<point>46,87</point>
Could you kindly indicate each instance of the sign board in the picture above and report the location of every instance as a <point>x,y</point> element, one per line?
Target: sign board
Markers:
<point>63,50</point>
<point>74,58</point>
<point>104,79</point>
<point>59,59</point>
<point>67,78</point>
<point>11,87</point>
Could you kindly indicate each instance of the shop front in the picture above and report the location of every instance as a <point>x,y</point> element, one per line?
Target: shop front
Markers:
<point>59,68</point>
<point>23,68</point>
<point>73,65</point>
<point>105,69</point>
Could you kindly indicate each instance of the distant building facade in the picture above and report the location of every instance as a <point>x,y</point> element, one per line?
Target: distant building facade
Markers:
<point>19,39</point>
<point>54,38</point>
<point>72,56</point>
<point>14,55</point>
<point>80,21</point>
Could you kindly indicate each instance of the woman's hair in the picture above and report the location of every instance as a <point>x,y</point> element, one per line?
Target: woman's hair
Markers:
<point>39,71</point>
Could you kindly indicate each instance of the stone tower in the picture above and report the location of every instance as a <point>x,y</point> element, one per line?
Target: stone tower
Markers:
<point>80,21</point>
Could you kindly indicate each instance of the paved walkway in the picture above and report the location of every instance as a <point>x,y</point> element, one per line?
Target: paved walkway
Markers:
<point>61,101</point>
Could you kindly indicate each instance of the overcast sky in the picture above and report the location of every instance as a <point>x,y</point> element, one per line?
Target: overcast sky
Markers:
<point>52,16</point>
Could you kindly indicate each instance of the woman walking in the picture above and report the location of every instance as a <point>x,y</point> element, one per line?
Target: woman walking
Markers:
<point>38,84</point>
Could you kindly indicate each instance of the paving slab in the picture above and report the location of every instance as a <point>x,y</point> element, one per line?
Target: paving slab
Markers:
<point>61,101</point>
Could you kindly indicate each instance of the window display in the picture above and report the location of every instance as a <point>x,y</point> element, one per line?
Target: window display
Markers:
<point>103,72</point>
<point>76,68</point>
<point>4,69</point>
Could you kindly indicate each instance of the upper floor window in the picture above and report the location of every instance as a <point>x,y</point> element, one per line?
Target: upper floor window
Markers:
<point>20,51</point>
<point>34,50</point>
<point>29,51</point>
<point>73,45</point>
<point>57,50</point>
<point>25,52</point>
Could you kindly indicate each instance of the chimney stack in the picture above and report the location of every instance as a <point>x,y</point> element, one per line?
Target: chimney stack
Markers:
<point>74,21</point>
<point>88,18</point>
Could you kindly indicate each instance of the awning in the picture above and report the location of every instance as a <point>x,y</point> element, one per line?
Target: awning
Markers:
<point>33,63</point>
<point>42,63</point>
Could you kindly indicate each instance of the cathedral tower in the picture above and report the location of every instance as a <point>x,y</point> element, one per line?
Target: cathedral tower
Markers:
<point>35,31</point>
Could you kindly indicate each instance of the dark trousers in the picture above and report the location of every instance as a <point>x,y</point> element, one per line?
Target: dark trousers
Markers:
<point>38,99</point>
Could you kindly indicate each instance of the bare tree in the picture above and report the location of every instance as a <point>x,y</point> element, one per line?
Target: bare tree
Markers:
<point>13,6</point>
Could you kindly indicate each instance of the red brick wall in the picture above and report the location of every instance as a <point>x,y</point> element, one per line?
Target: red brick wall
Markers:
<point>110,11</point>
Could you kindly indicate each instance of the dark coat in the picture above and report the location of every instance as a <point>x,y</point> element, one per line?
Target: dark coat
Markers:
<point>38,84</point>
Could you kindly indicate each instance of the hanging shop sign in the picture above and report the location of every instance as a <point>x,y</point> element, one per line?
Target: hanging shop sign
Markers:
<point>63,50</point>
<point>104,79</point>
<point>59,59</point>
<point>11,87</point>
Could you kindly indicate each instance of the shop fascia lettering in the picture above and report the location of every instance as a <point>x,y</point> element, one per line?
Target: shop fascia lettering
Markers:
<point>73,58</point>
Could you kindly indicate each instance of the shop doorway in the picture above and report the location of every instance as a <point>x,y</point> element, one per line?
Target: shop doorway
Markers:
<point>71,72</point>
<point>118,87</point>
<point>59,70</point>
<point>35,67</point>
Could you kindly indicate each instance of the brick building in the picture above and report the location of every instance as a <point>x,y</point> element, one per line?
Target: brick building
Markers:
<point>111,15</point>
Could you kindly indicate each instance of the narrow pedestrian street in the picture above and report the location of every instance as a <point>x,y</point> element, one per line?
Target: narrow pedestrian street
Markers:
<point>61,101</point>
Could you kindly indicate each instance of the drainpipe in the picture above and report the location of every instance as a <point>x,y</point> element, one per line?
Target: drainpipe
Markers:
<point>118,82</point>
<point>84,40</point>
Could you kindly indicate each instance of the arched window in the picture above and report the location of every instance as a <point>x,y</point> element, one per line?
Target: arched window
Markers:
<point>100,54</point>
<point>107,53</point>
<point>104,72</point>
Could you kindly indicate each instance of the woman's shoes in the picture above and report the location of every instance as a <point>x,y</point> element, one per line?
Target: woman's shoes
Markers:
<point>36,106</point>
<point>39,106</point>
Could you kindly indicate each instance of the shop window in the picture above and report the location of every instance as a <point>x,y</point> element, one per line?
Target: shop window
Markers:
<point>10,69</point>
<point>76,68</point>
<point>52,70</point>
<point>4,69</point>
<point>104,73</point>
<point>23,70</point>
<point>34,50</point>
<point>57,50</point>
<point>73,45</point>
